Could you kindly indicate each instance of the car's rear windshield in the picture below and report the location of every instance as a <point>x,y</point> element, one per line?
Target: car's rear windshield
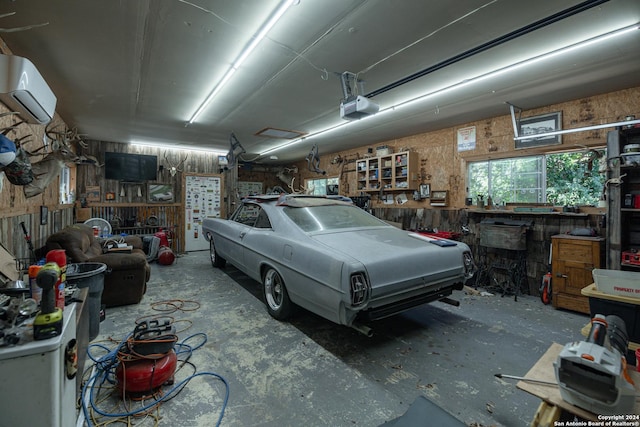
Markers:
<point>332,217</point>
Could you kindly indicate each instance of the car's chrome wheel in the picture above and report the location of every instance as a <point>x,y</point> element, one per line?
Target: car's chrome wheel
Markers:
<point>216,260</point>
<point>275,295</point>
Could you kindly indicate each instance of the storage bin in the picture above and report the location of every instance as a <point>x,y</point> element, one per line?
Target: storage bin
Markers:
<point>617,282</point>
<point>89,275</point>
<point>383,150</point>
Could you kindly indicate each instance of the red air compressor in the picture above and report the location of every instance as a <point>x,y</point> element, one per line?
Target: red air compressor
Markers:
<point>147,358</point>
<point>165,254</point>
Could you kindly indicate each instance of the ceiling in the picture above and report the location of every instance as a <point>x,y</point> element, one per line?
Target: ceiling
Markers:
<point>136,70</point>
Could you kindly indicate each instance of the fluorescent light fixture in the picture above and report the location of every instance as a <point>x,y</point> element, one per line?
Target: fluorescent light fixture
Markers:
<point>585,128</point>
<point>563,50</point>
<point>174,147</point>
<point>255,40</point>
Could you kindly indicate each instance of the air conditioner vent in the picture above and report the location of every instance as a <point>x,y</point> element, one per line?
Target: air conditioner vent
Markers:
<point>22,89</point>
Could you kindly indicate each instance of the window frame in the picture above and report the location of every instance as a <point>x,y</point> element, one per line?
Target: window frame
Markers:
<point>332,180</point>
<point>543,175</point>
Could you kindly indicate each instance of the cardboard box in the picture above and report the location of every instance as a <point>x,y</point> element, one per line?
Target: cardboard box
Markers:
<point>383,150</point>
<point>8,270</point>
<point>617,282</point>
<point>83,214</point>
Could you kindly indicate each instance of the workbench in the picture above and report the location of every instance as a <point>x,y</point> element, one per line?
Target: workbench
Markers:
<point>550,394</point>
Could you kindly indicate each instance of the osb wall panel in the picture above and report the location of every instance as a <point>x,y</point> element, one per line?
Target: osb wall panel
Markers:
<point>444,168</point>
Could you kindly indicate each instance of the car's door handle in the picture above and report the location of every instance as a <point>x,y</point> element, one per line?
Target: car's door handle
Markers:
<point>242,234</point>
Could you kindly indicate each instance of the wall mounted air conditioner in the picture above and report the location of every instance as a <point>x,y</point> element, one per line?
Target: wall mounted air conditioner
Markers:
<point>23,90</point>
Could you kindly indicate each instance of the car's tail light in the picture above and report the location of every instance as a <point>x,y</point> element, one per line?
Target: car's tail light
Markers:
<point>360,289</point>
<point>469,265</point>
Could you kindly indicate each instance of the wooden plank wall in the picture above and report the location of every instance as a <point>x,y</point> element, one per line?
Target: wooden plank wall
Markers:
<point>89,175</point>
<point>143,220</point>
<point>131,200</point>
<point>15,207</point>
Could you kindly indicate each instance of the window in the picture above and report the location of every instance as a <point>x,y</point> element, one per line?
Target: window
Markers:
<point>246,214</point>
<point>322,186</point>
<point>331,217</point>
<point>560,179</point>
<point>251,215</point>
<point>66,192</point>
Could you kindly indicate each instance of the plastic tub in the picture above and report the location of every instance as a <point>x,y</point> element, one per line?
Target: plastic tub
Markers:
<point>89,275</point>
<point>617,282</point>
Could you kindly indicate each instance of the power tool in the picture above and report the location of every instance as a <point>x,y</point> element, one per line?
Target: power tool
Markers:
<point>48,322</point>
<point>592,374</point>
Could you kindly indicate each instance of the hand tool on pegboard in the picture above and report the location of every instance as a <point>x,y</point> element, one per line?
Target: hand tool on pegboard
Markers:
<point>27,237</point>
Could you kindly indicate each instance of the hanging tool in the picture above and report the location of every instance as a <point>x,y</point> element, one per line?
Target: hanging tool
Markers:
<point>27,237</point>
<point>48,322</point>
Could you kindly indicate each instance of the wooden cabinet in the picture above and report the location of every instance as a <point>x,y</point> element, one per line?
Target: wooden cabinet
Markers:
<point>572,260</point>
<point>391,172</point>
<point>623,197</point>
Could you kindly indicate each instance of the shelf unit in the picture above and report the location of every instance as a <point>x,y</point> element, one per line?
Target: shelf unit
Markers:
<point>623,218</point>
<point>391,172</point>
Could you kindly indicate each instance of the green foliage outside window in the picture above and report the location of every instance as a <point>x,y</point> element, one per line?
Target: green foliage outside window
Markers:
<point>574,178</point>
<point>559,179</point>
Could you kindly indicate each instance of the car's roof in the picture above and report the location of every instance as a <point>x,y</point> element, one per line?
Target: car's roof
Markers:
<point>299,200</point>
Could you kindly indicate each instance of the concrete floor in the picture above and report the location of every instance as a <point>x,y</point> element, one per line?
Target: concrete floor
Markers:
<point>311,372</point>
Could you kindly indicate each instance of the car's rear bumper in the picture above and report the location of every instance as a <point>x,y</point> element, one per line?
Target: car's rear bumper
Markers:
<point>386,310</point>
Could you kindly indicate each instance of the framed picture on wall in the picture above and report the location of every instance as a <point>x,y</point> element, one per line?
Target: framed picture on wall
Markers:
<point>161,193</point>
<point>545,123</point>
<point>425,191</point>
<point>93,193</point>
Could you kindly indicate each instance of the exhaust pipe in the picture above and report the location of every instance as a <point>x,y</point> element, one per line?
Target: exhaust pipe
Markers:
<point>363,329</point>
<point>451,301</point>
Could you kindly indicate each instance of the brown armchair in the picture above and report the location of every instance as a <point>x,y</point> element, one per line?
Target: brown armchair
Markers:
<point>125,280</point>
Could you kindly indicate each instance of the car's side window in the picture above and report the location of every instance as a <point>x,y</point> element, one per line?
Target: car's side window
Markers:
<point>263,220</point>
<point>247,214</point>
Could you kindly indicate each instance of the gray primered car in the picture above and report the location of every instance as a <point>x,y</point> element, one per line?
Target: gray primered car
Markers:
<point>334,259</point>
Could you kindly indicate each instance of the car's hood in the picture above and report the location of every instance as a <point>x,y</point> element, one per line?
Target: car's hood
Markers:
<point>392,255</point>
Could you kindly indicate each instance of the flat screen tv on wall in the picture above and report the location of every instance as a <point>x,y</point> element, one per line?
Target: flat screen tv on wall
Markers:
<point>128,167</point>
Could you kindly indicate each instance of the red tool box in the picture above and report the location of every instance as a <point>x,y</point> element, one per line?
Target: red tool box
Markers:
<point>630,257</point>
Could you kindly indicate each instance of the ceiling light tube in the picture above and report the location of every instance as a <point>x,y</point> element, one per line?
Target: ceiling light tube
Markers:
<point>574,130</point>
<point>179,148</point>
<point>596,39</point>
<point>264,30</point>
<point>212,95</point>
<point>523,63</point>
<point>248,49</point>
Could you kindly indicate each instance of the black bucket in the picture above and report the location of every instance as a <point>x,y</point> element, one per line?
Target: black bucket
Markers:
<point>89,275</point>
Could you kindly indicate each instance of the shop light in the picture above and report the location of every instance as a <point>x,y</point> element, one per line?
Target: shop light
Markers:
<point>174,147</point>
<point>255,40</point>
<point>509,68</point>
